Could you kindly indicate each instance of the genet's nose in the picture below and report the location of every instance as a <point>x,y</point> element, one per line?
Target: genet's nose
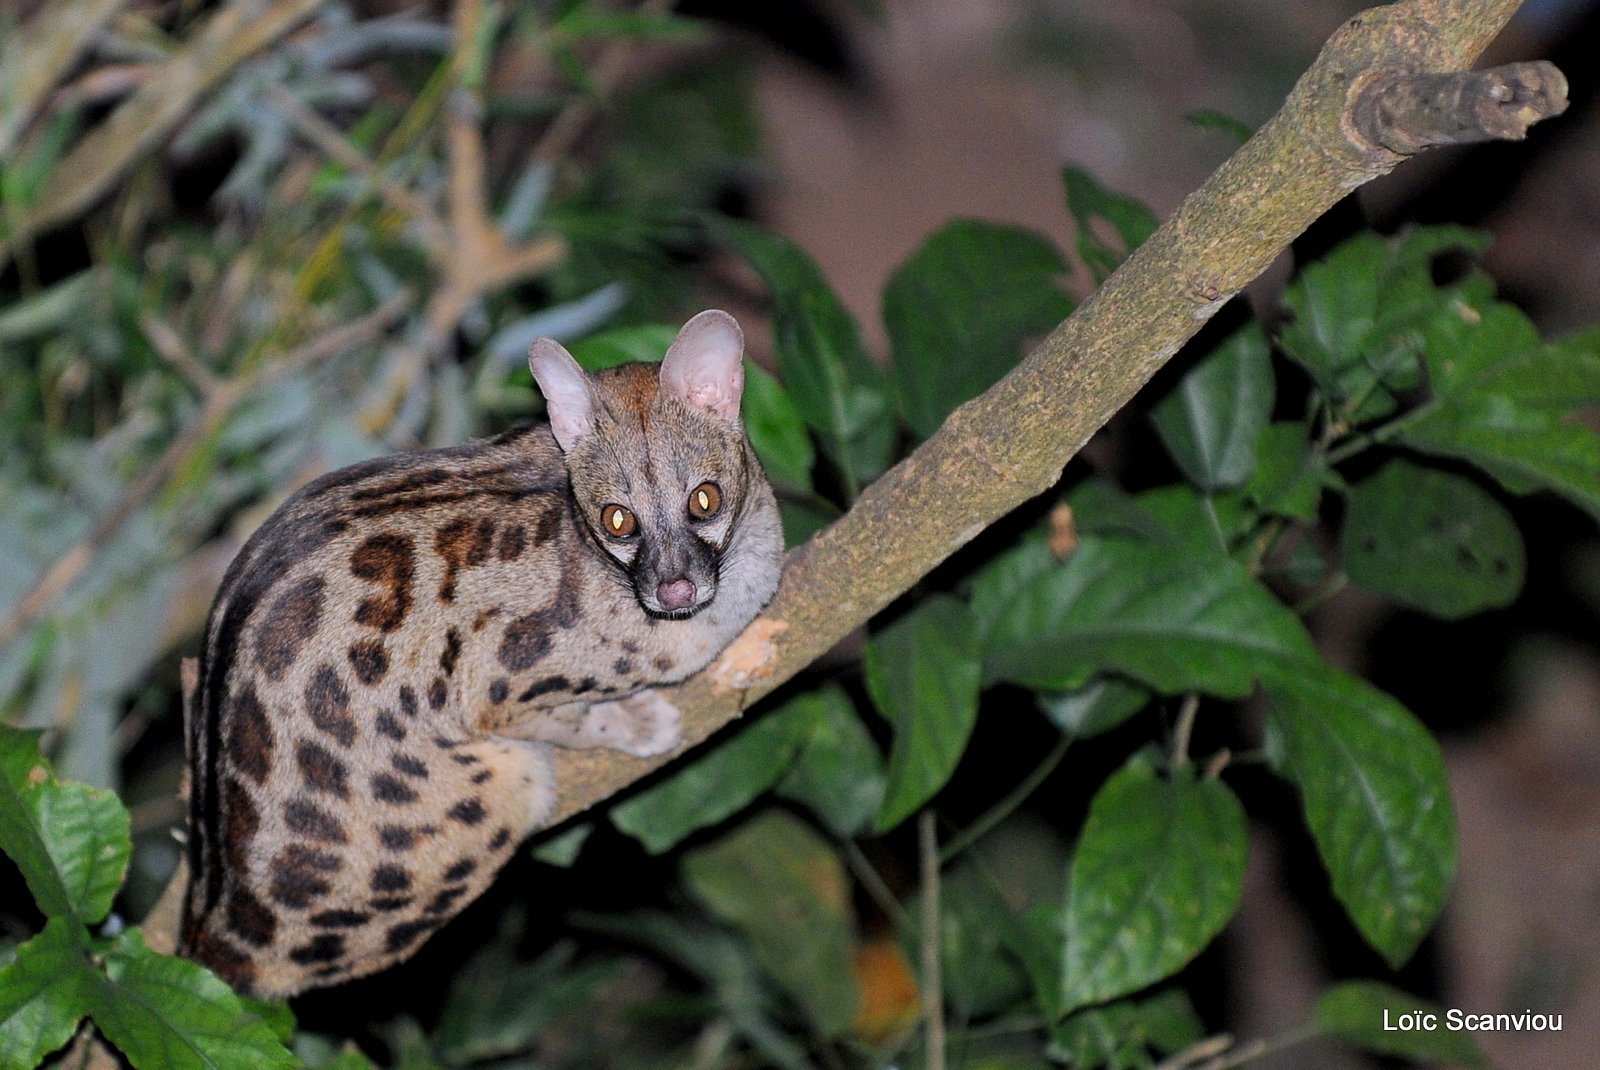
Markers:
<point>676,594</point>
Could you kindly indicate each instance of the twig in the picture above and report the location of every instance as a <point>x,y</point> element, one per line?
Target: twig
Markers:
<point>932,927</point>
<point>1004,808</point>
<point>333,144</point>
<point>218,403</point>
<point>1184,729</point>
<point>172,349</point>
<point>229,37</point>
<point>569,123</point>
<point>36,57</point>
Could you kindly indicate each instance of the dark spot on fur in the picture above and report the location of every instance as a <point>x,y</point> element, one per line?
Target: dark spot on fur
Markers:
<point>549,521</point>
<point>390,904</point>
<point>409,766</point>
<point>483,776</point>
<point>388,559</point>
<point>663,663</point>
<point>291,620</point>
<point>389,726</point>
<point>622,666</point>
<point>328,703</point>
<point>528,638</point>
<point>386,788</point>
<point>446,743</point>
<point>513,540</point>
<point>585,685</point>
<point>452,651</point>
<point>249,735</point>
<point>324,947</point>
<point>500,839</point>
<point>340,919</point>
<point>463,543</point>
<point>408,701</point>
<point>544,687</point>
<point>225,960</point>
<point>370,661</point>
<point>465,759</point>
<point>250,919</point>
<point>629,646</point>
<point>444,900</point>
<point>391,878</point>
<point>438,691</point>
<point>313,822</point>
<point>482,619</point>
<point>498,690</point>
<point>406,933</point>
<point>243,823</point>
<point>320,770</point>
<point>401,838</point>
<point>461,870</point>
<point>298,874</point>
<point>467,811</point>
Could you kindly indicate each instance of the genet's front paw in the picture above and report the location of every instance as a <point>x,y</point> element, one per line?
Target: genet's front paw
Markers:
<point>642,724</point>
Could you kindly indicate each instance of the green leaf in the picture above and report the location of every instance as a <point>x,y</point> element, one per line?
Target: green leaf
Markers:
<point>1176,622</point>
<point>1209,119</point>
<point>645,343</point>
<point>779,883</point>
<point>923,675</point>
<point>1120,1036</point>
<point>43,994</point>
<point>839,771</point>
<point>1509,405</point>
<point>776,430</point>
<point>1213,420</point>
<point>722,780</point>
<point>1372,782</point>
<point>69,840</point>
<point>1089,201</point>
<point>1433,540</point>
<point>166,1013</point>
<point>959,311</point>
<point>1101,706</point>
<point>1367,1014</point>
<point>1360,312</point>
<point>1158,871</point>
<point>979,977</point>
<point>562,850</point>
<point>824,365</point>
<point>498,1006</point>
<point>1288,477</point>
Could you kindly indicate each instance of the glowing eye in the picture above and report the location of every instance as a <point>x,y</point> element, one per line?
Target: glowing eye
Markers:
<point>617,521</point>
<point>705,501</point>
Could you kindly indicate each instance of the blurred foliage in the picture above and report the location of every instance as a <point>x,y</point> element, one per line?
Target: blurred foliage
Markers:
<point>388,211</point>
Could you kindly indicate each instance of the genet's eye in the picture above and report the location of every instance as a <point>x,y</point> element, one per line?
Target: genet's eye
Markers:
<point>617,521</point>
<point>705,501</point>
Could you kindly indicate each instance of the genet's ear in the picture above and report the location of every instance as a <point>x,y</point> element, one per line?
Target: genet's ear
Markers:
<point>566,391</point>
<point>704,366</point>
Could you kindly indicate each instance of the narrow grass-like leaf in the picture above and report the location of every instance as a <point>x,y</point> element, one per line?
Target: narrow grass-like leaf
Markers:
<point>923,674</point>
<point>43,994</point>
<point>167,1013</point>
<point>1213,419</point>
<point>69,840</point>
<point>1366,1014</point>
<point>1433,540</point>
<point>779,883</point>
<point>721,781</point>
<point>1372,781</point>
<point>1158,871</point>
<point>959,311</point>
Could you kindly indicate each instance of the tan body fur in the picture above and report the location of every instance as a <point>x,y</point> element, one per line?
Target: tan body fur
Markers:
<point>391,654</point>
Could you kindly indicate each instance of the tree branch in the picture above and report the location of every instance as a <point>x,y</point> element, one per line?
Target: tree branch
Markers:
<point>1011,444</point>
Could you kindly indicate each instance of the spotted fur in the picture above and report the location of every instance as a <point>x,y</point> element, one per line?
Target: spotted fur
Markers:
<point>392,653</point>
